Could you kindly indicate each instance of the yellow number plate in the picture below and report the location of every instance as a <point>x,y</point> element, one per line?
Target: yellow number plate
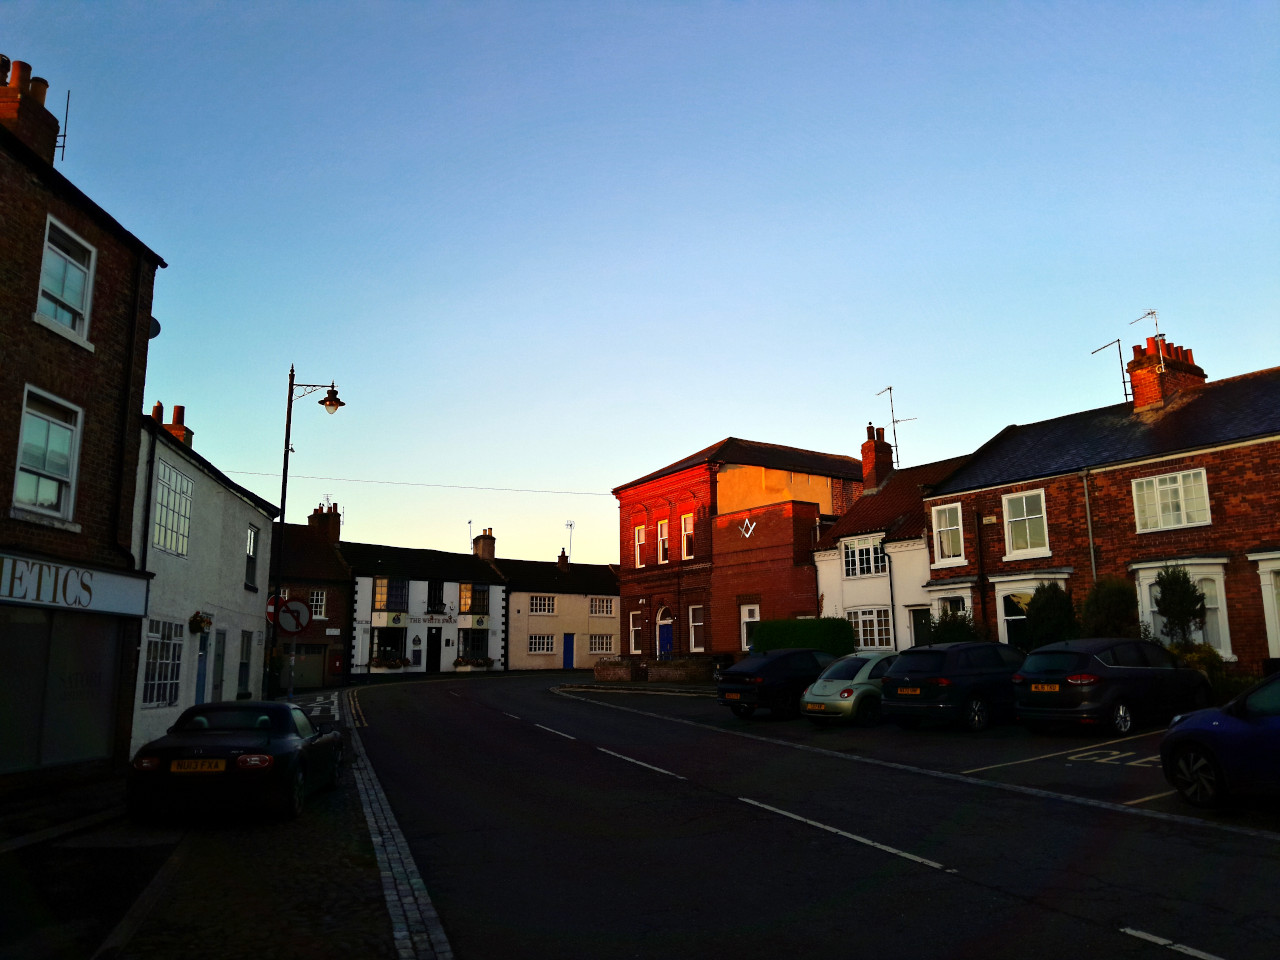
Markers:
<point>909,691</point>
<point>1044,688</point>
<point>198,766</point>
<point>814,706</point>
<point>733,696</point>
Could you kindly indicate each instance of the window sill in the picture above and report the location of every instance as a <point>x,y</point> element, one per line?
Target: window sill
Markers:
<point>62,330</point>
<point>251,588</point>
<point>1027,555</point>
<point>867,576</point>
<point>1172,529</point>
<point>43,519</point>
<point>953,562</point>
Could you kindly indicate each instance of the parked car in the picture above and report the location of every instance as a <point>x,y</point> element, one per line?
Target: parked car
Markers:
<point>235,755</point>
<point>1211,754</point>
<point>1108,681</point>
<point>848,689</point>
<point>970,682</point>
<point>774,680</point>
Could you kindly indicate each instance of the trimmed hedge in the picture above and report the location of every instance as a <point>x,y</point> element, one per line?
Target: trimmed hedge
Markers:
<point>832,634</point>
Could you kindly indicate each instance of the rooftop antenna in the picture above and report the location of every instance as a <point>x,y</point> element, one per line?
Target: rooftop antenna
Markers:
<point>894,421</point>
<point>569,524</point>
<point>470,539</point>
<point>1159,336</point>
<point>61,142</point>
<point>1124,381</point>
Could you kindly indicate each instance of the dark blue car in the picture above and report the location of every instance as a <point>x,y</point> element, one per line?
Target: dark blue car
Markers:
<point>1211,754</point>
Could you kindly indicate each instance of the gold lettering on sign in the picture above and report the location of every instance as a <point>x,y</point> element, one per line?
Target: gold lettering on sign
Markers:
<point>48,583</point>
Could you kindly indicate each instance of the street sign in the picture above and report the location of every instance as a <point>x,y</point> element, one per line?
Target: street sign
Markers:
<point>272,603</point>
<point>294,616</point>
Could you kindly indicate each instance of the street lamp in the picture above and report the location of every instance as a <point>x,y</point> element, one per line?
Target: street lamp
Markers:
<point>331,403</point>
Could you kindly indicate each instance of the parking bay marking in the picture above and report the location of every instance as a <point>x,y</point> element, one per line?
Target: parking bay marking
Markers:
<point>850,836</point>
<point>640,763</point>
<point>1049,756</point>
<point>556,732</point>
<point>1176,947</point>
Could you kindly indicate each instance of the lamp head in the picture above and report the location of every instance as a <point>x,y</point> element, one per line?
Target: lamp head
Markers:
<point>331,403</point>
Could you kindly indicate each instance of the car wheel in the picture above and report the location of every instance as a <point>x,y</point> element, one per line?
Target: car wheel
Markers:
<point>868,714</point>
<point>1197,777</point>
<point>292,799</point>
<point>1121,718</point>
<point>743,710</point>
<point>907,723</point>
<point>977,716</point>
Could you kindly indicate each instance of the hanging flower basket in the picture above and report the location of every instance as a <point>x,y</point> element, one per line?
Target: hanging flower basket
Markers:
<point>199,623</point>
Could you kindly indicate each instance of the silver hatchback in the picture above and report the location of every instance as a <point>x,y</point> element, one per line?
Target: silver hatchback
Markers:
<point>849,689</point>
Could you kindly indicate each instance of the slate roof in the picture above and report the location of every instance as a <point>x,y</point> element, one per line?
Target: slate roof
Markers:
<point>1220,411</point>
<point>310,555</point>
<point>752,454</point>
<point>375,560</point>
<point>545,576</point>
<point>169,440</point>
<point>896,509</point>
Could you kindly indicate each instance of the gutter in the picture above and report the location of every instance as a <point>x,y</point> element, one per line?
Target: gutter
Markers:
<point>1088,523</point>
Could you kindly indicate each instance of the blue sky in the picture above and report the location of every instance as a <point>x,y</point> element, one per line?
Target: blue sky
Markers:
<point>552,246</point>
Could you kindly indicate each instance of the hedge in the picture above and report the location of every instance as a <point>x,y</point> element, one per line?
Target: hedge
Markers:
<point>832,634</point>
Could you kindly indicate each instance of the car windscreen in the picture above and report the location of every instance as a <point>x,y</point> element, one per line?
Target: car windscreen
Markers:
<point>225,720</point>
<point>1053,661</point>
<point>844,669</point>
<point>748,665</point>
<point>918,661</point>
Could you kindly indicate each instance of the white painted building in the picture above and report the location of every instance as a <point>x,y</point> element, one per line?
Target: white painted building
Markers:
<point>207,543</point>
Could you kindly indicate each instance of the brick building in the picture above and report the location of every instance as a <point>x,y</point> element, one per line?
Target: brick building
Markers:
<point>312,570</point>
<point>1187,474</point>
<point>75,319</point>
<point>723,539</point>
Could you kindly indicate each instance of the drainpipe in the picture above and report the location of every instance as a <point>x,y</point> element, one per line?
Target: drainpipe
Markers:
<point>981,589</point>
<point>893,609</point>
<point>126,413</point>
<point>1088,523</point>
<point>146,509</point>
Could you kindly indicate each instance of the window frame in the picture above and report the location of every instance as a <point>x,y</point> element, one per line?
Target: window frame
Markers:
<point>542,604</point>
<point>664,545</point>
<point>957,560</point>
<point>1154,481</point>
<point>1199,569</point>
<point>875,561</point>
<point>686,536</point>
<point>639,546</point>
<point>545,643</point>
<point>600,607</point>
<point>600,643</point>
<point>162,663</point>
<point>318,601</point>
<point>881,623</point>
<point>69,484</point>
<point>635,626</point>
<point>1029,551</point>
<point>697,628</point>
<point>171,529</point>
<point>77,331</point>
<point>252,538</point>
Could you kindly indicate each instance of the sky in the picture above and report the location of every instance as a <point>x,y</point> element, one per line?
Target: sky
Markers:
<point>545,248</point>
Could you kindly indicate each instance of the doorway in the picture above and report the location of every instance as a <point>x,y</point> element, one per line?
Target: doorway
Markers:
<point>568,651</point>
<point>666,634</point>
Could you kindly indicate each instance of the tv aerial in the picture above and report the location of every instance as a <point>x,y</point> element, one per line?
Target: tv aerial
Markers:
<point>894,421</point>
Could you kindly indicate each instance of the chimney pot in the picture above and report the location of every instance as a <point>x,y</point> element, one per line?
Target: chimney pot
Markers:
<point>157,412</point>
<point>20,76</point>
<point>179,415</point>
<point>871,431</point>
<point>39,87</point>
<point>880,433</point>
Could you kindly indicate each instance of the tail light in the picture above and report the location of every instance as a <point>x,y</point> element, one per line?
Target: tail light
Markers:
<point>937,681</point>
<point>807,689</point>
<point>846,693</point>
<point>255,761</point>
<point>1083,679</point>
<point>755,679</point>
<point>1019,678</point>
<point>146,763</point>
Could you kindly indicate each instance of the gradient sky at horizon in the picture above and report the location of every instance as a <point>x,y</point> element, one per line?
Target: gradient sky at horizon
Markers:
<point>554,246</point>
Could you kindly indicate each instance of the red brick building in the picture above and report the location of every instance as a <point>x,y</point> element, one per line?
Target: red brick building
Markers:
<point>1187,474</point>
<point>75,319</point>
<point>716,542</point>
<point>312,570</point>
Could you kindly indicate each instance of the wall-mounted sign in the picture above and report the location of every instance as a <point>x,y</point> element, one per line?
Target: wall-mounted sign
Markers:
<point>387,618</point>
<point>67,587</point>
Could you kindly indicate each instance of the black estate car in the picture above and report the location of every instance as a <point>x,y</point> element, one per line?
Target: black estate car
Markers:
<point>1109,681</point>
<point>968,682</point>
<point>775,679</point>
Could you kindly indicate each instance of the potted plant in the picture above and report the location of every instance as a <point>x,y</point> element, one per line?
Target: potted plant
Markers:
<point>199,623</point>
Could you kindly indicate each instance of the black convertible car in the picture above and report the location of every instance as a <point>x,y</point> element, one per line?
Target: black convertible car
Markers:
<point>235,755</point>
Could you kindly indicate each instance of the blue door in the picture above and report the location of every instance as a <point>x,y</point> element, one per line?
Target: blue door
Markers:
<point>665,634</point>
<point>200,667</point>
<point>568,651</point>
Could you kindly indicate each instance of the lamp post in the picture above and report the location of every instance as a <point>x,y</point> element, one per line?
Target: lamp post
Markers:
<point>331,403</point>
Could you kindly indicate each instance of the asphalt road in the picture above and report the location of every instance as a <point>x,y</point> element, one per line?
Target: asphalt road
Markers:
<point>589,825</point>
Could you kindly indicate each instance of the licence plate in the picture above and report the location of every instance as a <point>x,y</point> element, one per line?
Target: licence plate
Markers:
<point>733,696</point>
<point>816,707</point>
<point>1044,688</point>
<point>197,766</point>
<point>909,691</point>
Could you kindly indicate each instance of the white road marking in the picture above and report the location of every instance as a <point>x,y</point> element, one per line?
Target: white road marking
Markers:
<point>511,715</point>
<point>849,836</point>
<point>556,732</point>
<point>640,763</point>
<point>1048,756</point>
<point>1176,947</point>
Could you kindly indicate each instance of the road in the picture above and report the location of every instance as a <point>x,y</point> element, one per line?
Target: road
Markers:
<point>581,824</point>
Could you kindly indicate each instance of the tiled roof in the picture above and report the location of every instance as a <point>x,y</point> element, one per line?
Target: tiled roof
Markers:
<point>374,560</point>
<point>596,579</point>
<point>752,454</point>
<point>1220,411</point>
<point>309,555</point>
<point>896,509</point>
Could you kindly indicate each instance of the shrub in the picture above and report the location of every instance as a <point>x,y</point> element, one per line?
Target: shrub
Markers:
<point>1110,609</point>
<point>1050,617</point>
<point>953,626</point>
<point>1180,603</point>
<point>832,634</point>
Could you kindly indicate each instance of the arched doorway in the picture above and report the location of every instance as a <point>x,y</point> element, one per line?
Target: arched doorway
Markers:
<point>665,633</point>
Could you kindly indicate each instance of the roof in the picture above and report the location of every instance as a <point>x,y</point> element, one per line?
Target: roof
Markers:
<point>598,579</point>
<point>753,454</point>
<point>173,443</point>
<point>895,509</point>
<point>1220,411</point>
<point>371,559</point>
<point>310,555</point>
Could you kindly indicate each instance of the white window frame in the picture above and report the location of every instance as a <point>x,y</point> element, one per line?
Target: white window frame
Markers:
<point>939,560</point>
<point>78,330</point>
<point>747,613</point>
<point>600,607</point>
<point>253,537</point>
<point>686,536</point>
<point>697,628</point>
<point>639,542</point>
<point>1027,552</point>
<point>1147,503</point>
<point>1012,583</point>
<point>1199,569</point>
<point>664,543</point>
<point>864,557</point>
<point>162,665</point>
<point>542,644</point>
<point>318,601</point>
<point>1269,580</point>
<point>600,643</point>
<point>542,604</point>
<point>878,621</point>
<point>636,627</point>
<point>72,422</point>
<point>171,529</point>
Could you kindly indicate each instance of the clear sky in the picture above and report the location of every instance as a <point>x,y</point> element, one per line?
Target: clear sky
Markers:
<point>553,246</point>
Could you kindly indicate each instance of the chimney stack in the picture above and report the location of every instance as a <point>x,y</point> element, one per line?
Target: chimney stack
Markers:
<point>22,110</point>
<point>1159,372</point>
<point>877,459</point>
<point>483,545</point>
<point>327,521</point>
<point>562,561</point>
<point>178,429</point>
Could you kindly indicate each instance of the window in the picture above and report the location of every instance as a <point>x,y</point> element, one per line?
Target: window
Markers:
<point>601,643</point>
<point>542,604</point>
<point>66,281</point>
<point>639,546</point>
<point>542,643</point>
<point>251,557</point>
<point>636,627</point>
<point>242,676</point>
<point>686,537</point>
<point>1024,525</point>
<point>696,627</point>
<point>948,536</point>
<point>864,557</point>
<point>871,627</point>
<point>663,556</point>
<point>390,594</point>
<point>473,598</point>
<point>317,604</point>
<point>601,606</point>
<point>1013,619</point>
<point>435,596</point>
<point>1173,500</point>
<point>748,620</point>
<point>47,456</point>
<point>1209,575</point>
<point>951,604</point>
<point>163,673</point>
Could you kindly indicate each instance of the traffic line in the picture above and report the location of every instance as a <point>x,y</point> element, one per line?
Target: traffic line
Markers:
<point>353,706</point>
<point>1154,796</point>
<point>640,763</point>
<point>556,732</point>
<point>511,715</point>
<point>850,836</point>
<point>1049,756</point>
<point>1176,947</point>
